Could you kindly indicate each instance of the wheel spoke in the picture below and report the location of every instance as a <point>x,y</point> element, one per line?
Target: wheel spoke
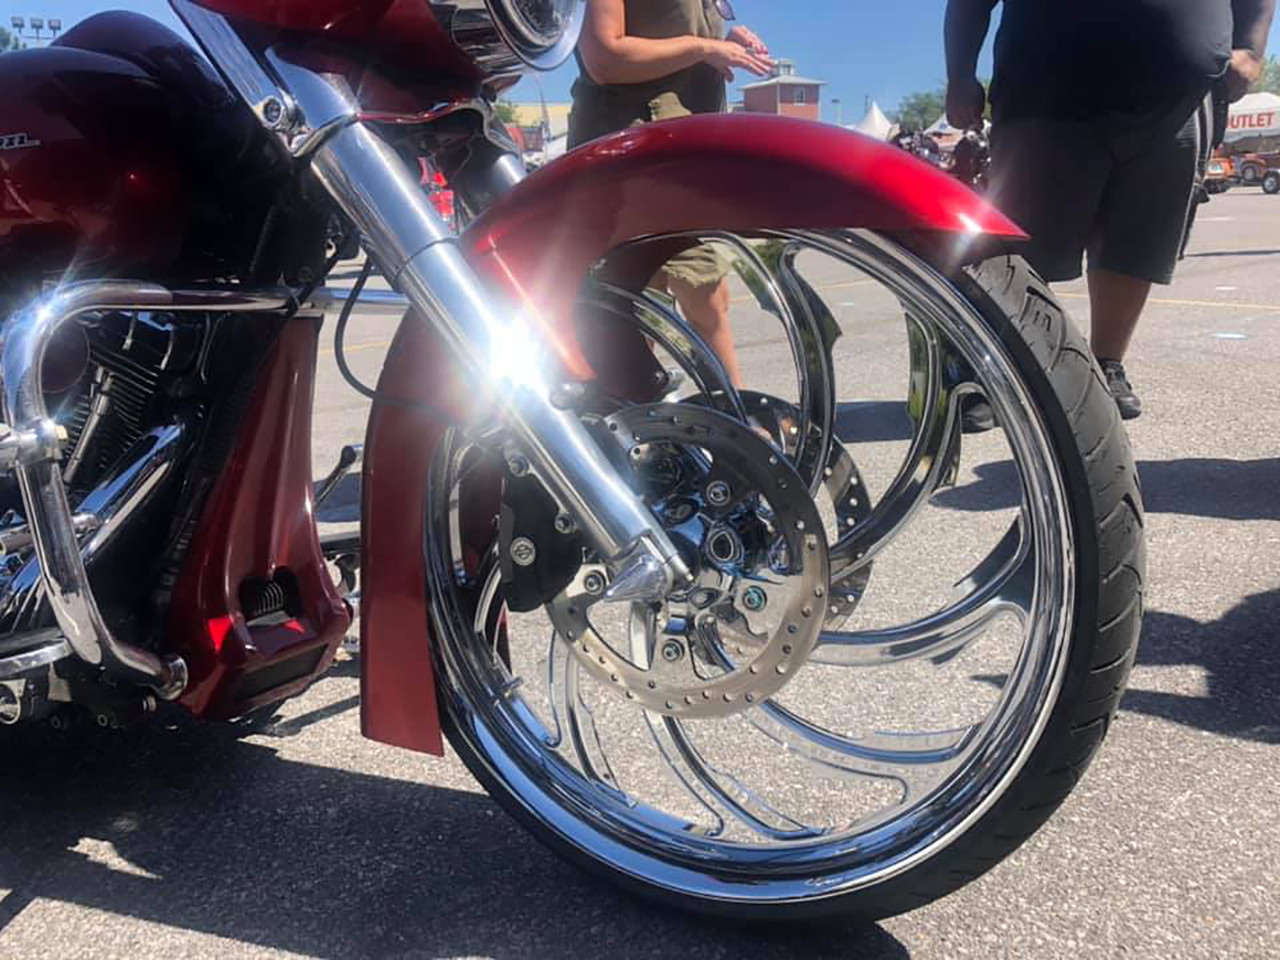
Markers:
<point>908,760</point>
<point>1001,585</point>
<point>574,719</point>
<point>925,465</point>
<point>678,338</point>
<point>718,791</point>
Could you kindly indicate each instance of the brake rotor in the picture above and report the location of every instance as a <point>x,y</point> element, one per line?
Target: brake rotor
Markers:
<point>747,527</point>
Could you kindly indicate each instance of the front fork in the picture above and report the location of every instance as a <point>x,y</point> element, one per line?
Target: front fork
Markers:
<point>498,344</point>
<point>316,116</point>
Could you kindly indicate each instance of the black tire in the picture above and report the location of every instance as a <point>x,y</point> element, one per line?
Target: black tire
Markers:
<point>1271,183</point>
<point>1249,174</point>
<point>1107,515</point>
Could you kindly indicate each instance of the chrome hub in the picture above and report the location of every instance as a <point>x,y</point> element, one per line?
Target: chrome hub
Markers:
<point>752,537</point>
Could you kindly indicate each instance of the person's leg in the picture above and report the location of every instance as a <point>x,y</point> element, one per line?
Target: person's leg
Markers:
<point>706,306</point>
<point>1141,227</point>
<point>1115,303</point>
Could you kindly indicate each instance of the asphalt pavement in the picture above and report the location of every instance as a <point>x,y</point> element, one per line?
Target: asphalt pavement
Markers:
<point>309,841</point>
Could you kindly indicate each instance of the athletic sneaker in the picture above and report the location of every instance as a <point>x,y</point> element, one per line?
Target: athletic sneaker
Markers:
<point>1121,389</point>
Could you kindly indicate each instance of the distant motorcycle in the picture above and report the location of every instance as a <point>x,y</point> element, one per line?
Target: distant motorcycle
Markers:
<point>971,160</point>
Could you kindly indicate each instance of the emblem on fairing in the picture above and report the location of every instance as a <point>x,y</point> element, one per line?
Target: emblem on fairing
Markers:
<point>17,141</point>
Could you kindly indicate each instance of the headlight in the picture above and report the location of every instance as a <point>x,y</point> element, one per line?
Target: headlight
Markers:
<point>542,33</point>
<point>505,37</point>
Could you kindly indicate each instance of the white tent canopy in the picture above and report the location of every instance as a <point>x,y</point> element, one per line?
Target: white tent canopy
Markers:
<point>942,127</point>
<point>875,123</point>
<point>1256,115</point>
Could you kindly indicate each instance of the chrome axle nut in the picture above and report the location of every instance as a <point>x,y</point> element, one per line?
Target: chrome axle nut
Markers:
<point>718,493</point>
<point>594,584</point>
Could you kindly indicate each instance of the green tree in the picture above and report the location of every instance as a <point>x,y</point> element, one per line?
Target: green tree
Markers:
<point>1269,82</point>
<point>8,41</point>
<point>919,110</point>
<point>507,112</point>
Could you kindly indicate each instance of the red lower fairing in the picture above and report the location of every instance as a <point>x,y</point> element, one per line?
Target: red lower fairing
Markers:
<point>736,173</point>
<point>257,524</point>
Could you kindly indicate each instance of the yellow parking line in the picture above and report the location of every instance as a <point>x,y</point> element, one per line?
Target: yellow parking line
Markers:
<point>822,286</point>
<point>1220,304</point>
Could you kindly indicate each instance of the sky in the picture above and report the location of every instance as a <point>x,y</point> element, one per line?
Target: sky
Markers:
<point>862,48</point>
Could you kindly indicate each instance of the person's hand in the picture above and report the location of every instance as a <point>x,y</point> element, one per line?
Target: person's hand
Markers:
<point>747,38</point>
<point>1243,72</point>
<point>727,56</point>
<point>966,101</point>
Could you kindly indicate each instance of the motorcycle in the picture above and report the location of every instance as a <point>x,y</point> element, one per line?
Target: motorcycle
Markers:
<point>970,161</point>
<point>628,591</point>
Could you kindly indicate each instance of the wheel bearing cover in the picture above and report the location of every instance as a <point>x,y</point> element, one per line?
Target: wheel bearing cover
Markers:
<point>750,465</point>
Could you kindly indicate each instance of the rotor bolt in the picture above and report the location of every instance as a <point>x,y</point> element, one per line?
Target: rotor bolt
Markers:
<point>523,552</point>
<point>593,583</point>
<point>518,466</point>
<point>672,651</point>
<point>718,493</point>
<point>565,524</point>
<point>755,599</point>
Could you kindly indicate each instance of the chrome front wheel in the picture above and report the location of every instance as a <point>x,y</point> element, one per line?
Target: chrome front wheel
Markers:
<point>948,639</point>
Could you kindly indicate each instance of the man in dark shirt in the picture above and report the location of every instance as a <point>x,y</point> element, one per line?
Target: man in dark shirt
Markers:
<point>1095,140</point>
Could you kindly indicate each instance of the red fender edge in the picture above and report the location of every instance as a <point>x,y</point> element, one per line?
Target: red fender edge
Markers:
<point>735,173</point>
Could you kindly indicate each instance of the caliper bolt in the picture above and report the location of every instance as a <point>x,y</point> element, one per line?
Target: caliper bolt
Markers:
<point>718,493</point>
<point>755,599</point>
<point>672,651</point>
<point>593,583</point>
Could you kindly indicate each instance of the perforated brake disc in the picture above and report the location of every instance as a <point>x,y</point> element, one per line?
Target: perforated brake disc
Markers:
<point>751,534</point>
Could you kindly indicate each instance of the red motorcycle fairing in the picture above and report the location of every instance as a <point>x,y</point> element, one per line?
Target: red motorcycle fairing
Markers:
<point>122,153</point>
<point>258,525</point>
<point>738,173</point>
<point>403,34</point>
<point>88,170</point>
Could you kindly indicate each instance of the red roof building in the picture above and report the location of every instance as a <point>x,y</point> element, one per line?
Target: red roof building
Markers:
<point>785,93</point>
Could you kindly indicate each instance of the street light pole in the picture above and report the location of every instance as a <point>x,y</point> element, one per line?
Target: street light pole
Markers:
<point>36,26</point>
<point>836,102</point>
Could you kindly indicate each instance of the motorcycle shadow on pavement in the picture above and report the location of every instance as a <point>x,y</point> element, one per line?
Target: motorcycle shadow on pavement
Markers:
<point>1239,651</point>
<point>1216,488</point>
<point>196,830</point>
<point>1241,658</point>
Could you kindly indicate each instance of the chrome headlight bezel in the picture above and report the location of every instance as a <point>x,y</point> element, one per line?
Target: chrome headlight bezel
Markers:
<point>535,48</point>
<point>502,41</point>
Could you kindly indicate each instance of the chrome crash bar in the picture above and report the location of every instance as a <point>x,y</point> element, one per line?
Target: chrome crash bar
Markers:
<point>31,445</point>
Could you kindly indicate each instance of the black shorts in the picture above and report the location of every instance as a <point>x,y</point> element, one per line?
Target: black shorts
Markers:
<point>1119,188</point>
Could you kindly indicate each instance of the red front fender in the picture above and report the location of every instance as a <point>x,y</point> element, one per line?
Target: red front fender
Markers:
<point>736,173</point>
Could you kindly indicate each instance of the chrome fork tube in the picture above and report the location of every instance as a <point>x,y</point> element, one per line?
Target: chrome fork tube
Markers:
<point>420,258</point>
